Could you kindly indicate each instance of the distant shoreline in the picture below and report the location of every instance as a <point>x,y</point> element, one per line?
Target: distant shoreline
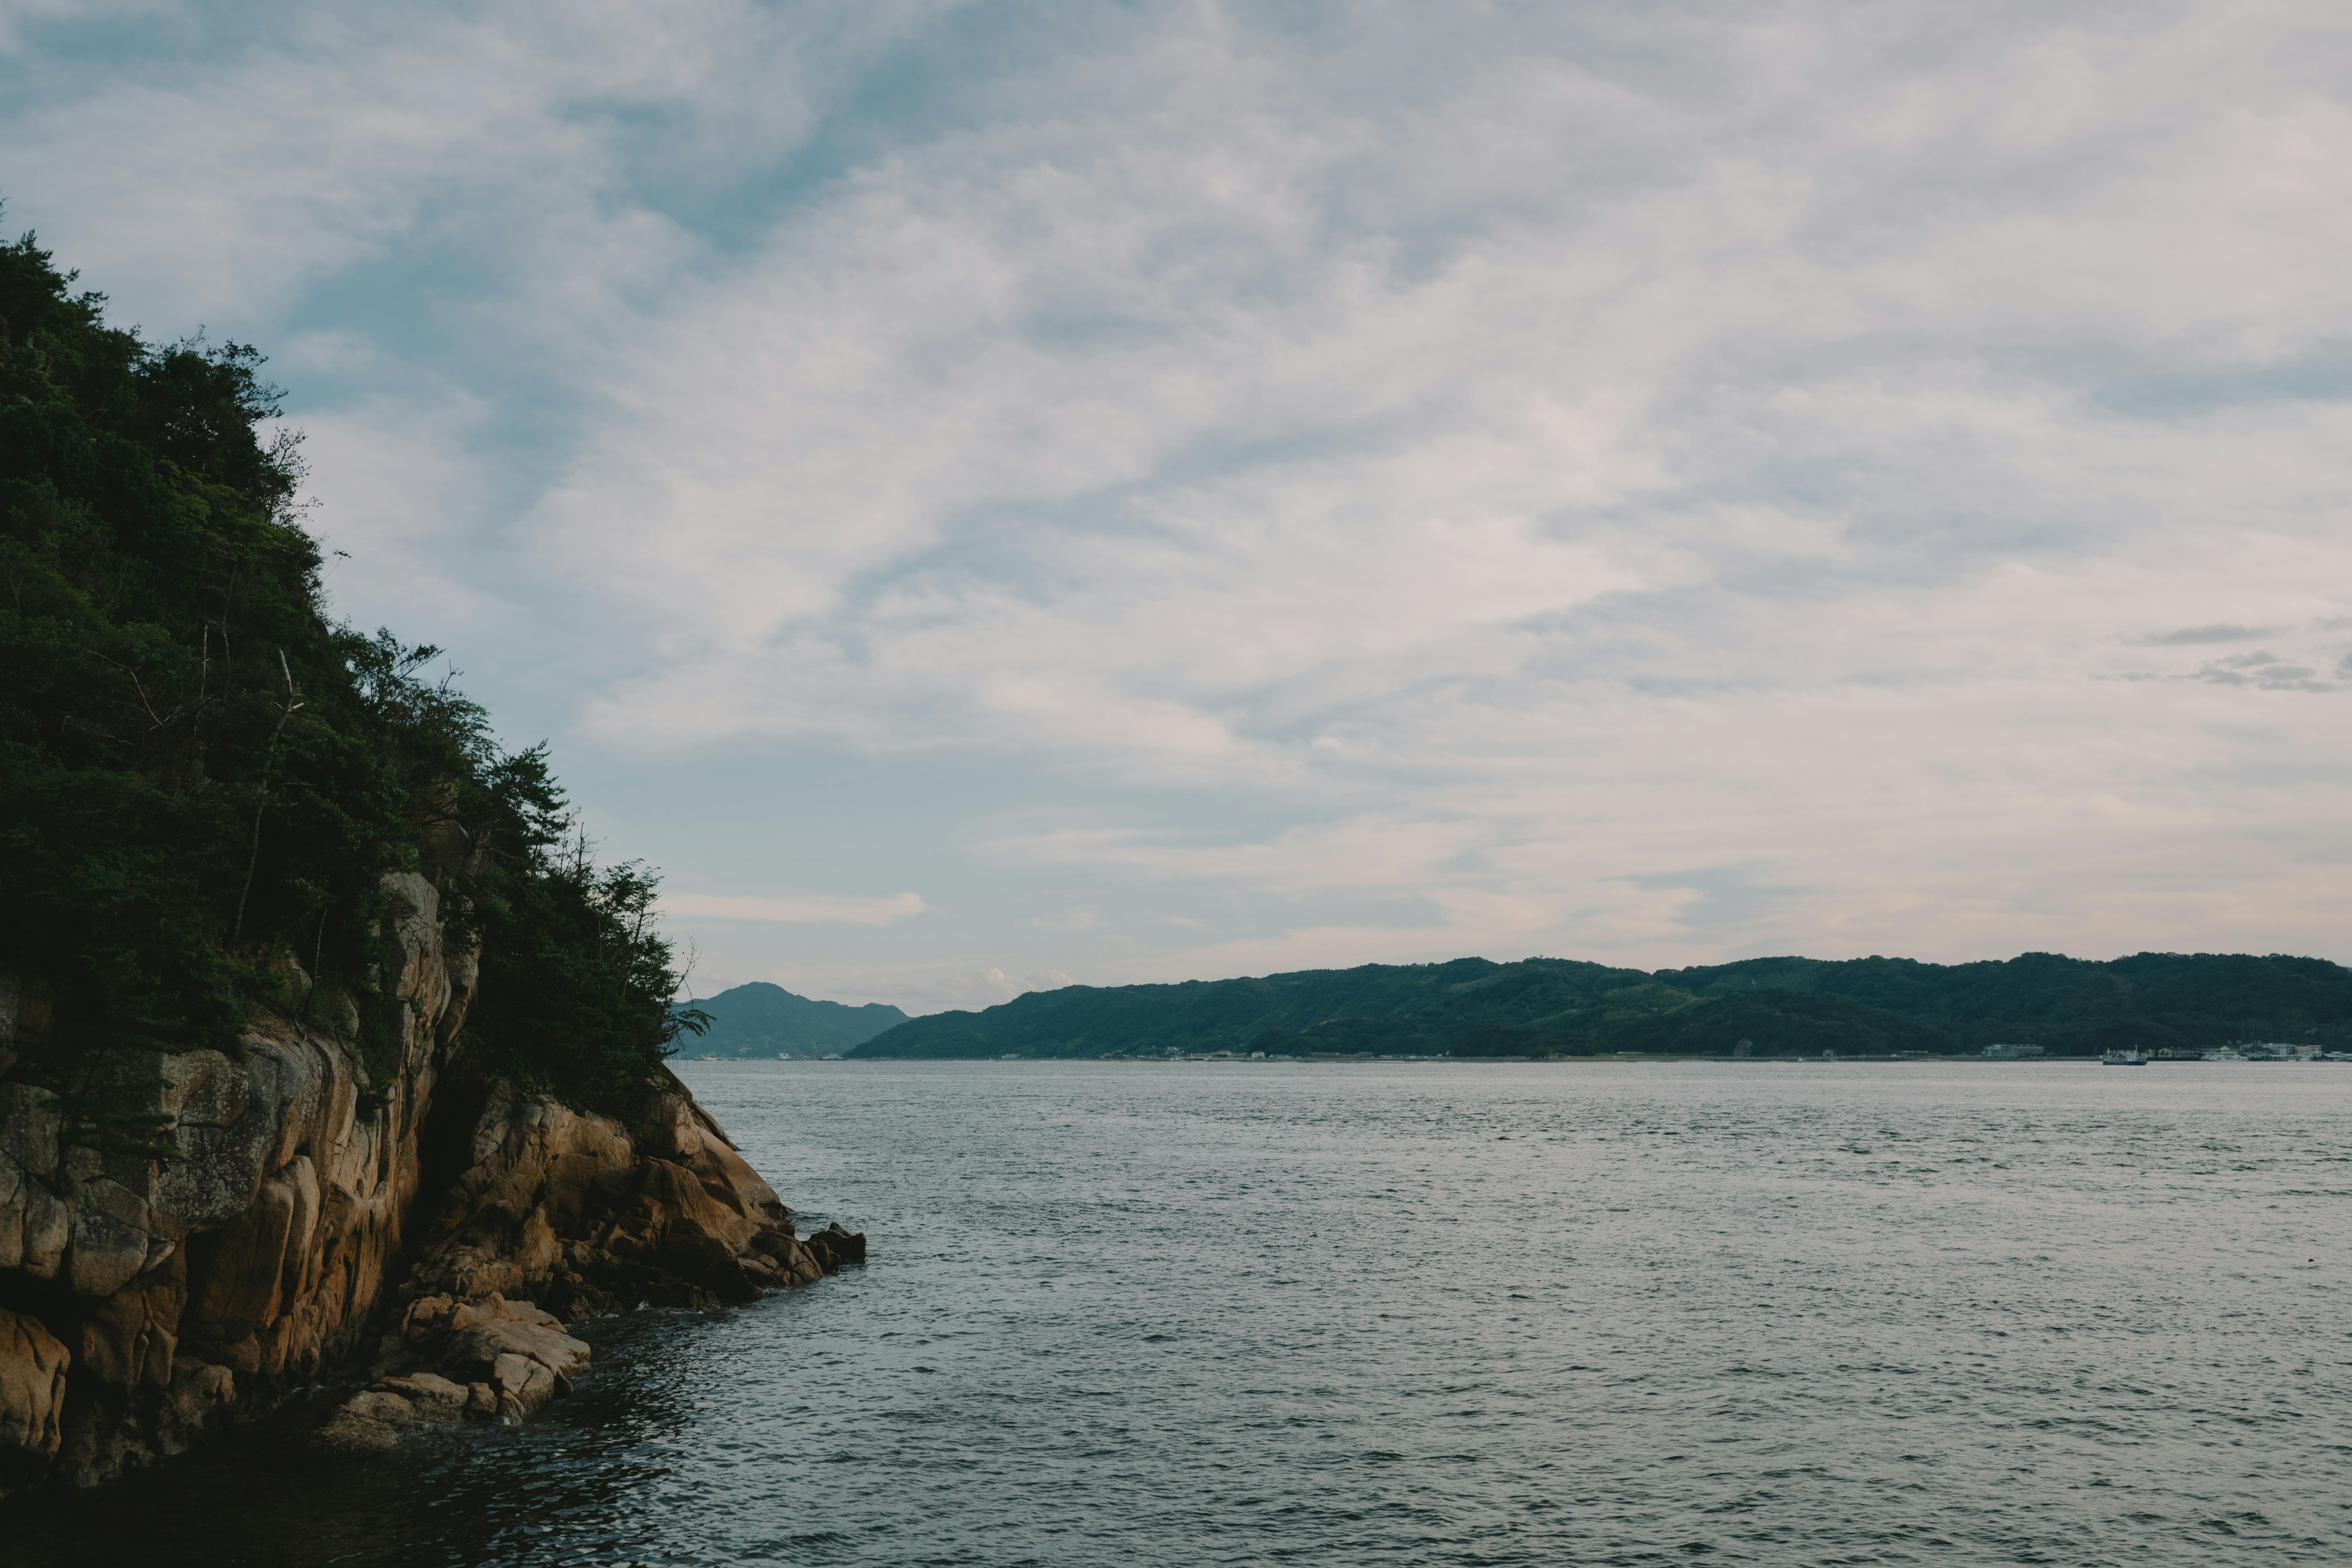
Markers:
<point>1612,1060</point>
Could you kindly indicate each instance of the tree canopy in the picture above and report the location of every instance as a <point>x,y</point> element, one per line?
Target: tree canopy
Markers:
<point>205,777</point>
<point>1549,1007</point>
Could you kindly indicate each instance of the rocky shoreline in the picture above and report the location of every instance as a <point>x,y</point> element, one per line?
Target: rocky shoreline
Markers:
<point>428,1235</point>
<point>575,1213</point>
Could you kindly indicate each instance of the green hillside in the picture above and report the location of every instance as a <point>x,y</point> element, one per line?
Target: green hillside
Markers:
<point>1379,1008</point>
<point>759,1019</point>
<point>2072,1004</point>
<point>1548,1006</point>
<point>1780,1023</point>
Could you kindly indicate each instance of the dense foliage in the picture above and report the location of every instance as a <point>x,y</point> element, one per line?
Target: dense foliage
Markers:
<point>2074,1004</point>
<point>1545,1006</point>
<point>1778,1023</point>
<point>1470,1007</point>
<point>204,779</point>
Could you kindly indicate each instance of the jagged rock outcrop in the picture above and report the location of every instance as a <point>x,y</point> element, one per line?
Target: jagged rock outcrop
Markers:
<point>489,1360</point>
<point>562,1216</point>
<point>585,1215</point>
<point>307,1208</point>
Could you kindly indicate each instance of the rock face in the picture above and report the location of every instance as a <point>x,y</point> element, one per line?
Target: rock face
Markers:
<point>583,1215</point>
<point>491,1360</point>
<point>311,1216</point>
<point>33,1364</point>
<point>586,1216</point>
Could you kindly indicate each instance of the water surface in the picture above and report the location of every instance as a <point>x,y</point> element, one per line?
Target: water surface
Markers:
<point>1435,1313</point>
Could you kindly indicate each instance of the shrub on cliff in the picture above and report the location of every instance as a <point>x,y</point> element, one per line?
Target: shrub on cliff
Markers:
<point>204,777</point>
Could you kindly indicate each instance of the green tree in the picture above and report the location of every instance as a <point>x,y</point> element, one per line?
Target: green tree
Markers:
<point>205,776</point>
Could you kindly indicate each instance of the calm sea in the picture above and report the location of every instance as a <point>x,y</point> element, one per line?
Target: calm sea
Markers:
<point>1434,1313</point>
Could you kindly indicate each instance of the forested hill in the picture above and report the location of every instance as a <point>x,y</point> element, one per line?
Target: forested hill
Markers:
<point>1549,1007</point>
<point>2153,999</point>
<point>760,1019</point>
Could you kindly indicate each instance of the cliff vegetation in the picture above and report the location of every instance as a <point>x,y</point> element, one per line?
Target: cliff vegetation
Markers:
<point>205,777</point>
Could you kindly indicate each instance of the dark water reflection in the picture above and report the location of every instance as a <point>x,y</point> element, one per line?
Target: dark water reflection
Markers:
<point>1589,1313</point>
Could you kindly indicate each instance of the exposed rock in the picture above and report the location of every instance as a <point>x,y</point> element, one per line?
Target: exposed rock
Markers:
<point>32,1391</point>
<point>587,1217</point>
<point>371,1423</point>
<point>834,1246</point>
<point>212,1284</point>
<point>160,1300</point>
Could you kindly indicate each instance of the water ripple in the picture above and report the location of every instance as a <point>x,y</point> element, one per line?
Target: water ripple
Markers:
<point>1616,1313</point>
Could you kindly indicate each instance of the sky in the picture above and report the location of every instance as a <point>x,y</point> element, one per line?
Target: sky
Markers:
<point>990,496</point>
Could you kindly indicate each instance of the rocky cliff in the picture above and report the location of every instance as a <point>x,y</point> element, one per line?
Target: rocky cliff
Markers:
<point>314,1220</point>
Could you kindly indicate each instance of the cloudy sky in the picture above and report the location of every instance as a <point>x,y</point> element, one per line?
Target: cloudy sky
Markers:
<point>990,494</point>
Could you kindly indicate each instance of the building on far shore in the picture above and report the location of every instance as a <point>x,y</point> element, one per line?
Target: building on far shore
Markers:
<point>2010,1053</point>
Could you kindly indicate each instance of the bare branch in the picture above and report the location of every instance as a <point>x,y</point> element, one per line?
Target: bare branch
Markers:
<point>253,851</point>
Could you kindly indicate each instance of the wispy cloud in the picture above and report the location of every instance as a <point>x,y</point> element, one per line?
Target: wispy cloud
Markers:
<point>1421,485</point>
<point>808,910</point>
<point>2220,631</point>
<point>2264,670</point>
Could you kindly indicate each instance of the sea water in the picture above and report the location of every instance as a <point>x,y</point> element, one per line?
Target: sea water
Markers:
<point>1433,1313</point>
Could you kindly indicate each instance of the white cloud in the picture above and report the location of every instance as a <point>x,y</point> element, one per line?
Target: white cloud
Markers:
<point>398,489</point>
<point>927,493</point>
<point>1451,478</point>
<point>806,910</point>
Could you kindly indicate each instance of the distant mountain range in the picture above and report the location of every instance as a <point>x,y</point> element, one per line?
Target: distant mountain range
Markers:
<point>763,1020</point>
<point>1550,1006</point>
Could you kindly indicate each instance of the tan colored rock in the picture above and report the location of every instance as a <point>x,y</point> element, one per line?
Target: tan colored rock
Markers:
<point>303,1262</point>
<point>203,1398</point>
<point>668,1128</point>
<point>368,1423</point>
<point>33,1364</point>
<point>426,1316</point>
<point>834,1248</point>
<point>128,1340</point>
<point>481,1341</point>
<point>283,1217</point>
<point>432,1398</point>
<point>524,1380</point>
<point>237,1294</point>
